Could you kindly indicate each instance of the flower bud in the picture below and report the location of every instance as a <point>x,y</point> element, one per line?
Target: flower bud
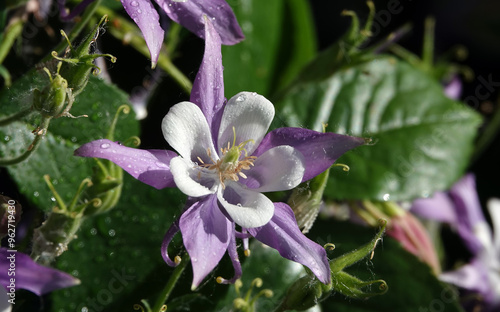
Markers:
<point>52,99</point>
<point>79,62</point>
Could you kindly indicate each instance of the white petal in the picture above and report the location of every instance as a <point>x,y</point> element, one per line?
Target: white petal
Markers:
<point>247,208</point>
<point>250,114</point>
<point>279,168</point>
<point>186,178</point>
<point>186,129</point>
<point>494,210</point>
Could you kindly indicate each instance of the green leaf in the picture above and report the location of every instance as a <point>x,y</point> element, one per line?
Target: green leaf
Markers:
<point>411,283</point>
<point>54,157</point>
<point>117,255</point>
<point>422,140</point>
<point>279,40</point>
<point>276,272</point>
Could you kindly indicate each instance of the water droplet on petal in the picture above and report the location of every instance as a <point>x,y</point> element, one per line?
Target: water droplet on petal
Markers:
<point>134,3</point>
<point>105,145</point>
<point>241,98</point>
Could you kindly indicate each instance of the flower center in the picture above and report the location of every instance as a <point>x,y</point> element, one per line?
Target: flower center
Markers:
<point>229,166</point>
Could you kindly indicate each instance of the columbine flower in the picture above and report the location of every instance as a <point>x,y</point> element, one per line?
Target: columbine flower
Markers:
<point>26,274</point>
<point>225,161</point>
<point>460,208</point>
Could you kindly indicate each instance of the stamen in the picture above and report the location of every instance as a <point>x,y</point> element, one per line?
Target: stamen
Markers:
<point>221,280</point>
<point>200,160</point>
<point>234,137</point>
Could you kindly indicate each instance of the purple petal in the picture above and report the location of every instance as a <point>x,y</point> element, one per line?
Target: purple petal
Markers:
<point>208,86</point>
<point>439,207</point>
<point>189,14</point>
<point>206,234</point>
<point>32,276</point>
<point>283,234</point>
<point>147,19</point>
<point>149,166</point>
<point>320,150</point>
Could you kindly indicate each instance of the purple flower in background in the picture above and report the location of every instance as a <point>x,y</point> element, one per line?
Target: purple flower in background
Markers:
<point>30,276</point>
<point>460,208</point>
<point>188,13</point>
<point>225,162</point>
<point>453,88</point>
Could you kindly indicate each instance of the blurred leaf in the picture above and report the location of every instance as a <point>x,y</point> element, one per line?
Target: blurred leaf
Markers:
<point>422,140</point>
<point>55,157</point>
<point>412,286</point>
<point>298,43</point>
<point>279,40</point>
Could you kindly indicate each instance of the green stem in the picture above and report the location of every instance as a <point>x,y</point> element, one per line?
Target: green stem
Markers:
<point>171,283</point>
<point>111,132</point>
<point>6,76</point>
<point>77,29</point>
<point>13,31</point>
<point>428,46</point>
<point>59,200</point>
<point>34,145</point>
<point>128,32</point>
<point>172,38</point>
<point>7,120</point>
<point>488,135</point>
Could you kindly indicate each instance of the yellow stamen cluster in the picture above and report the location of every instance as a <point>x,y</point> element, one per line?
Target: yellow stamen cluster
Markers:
<point>229,166</point>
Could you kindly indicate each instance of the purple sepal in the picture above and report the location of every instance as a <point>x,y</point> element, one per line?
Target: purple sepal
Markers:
<point>206,234</point>
<point>190,15</point>
<point>320,150</point>
<point>283,234</point>
<point>208,86</point>
<point>147,19</point>
<point>148,166</point>
<point>32,276</point>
